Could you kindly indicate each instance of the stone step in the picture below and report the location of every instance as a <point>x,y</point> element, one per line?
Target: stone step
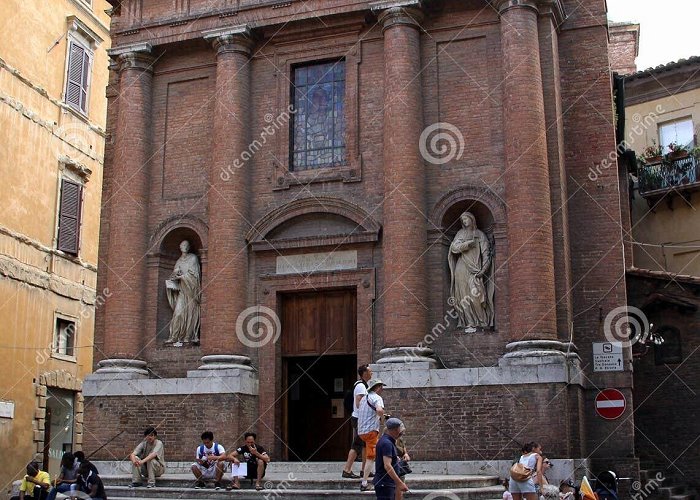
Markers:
<point>123,493</point>
<point>316,481</point>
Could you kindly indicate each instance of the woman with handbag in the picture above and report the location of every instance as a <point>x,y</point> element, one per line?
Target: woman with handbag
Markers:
<point>526,473</point>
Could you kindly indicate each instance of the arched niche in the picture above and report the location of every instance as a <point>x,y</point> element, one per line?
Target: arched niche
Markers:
<point>449,342</point>
<point>162,263</point>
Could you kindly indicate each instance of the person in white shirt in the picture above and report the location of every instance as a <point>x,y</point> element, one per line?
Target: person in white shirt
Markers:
<point>207,465</point>
<point>370,413</point>
<point>358,446</point>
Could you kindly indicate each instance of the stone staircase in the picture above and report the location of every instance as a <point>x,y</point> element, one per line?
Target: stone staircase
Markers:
<point>658,484</point>
<point>313,481</point>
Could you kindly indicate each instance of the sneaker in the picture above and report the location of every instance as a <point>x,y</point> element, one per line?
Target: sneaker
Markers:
<point>217,485</point>
<point>199,485</point>
<point>135,485</point>
<point>151,485</point>
<point>366,487</point>
<point>350,475</point>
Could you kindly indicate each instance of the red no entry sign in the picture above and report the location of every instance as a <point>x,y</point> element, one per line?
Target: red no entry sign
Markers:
<point>610,404</point>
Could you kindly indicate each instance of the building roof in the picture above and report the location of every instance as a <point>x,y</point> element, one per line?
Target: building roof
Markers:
<point>663,275</point>
<point>662,68</point>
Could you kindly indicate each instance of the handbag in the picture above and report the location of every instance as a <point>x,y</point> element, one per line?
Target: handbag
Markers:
<point>403,468</point>
<point>520,473</point>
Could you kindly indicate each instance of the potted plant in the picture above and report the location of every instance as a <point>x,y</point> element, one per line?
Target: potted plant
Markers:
<point>676,151</point>
<point>653,153</point>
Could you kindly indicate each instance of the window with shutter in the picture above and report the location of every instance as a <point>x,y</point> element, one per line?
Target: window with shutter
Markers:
<point>69,217</point>
<point>78,77</point>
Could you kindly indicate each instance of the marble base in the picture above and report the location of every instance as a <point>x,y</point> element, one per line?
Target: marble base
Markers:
<point>417,358</point>
<point>116,369</point>
<point>224,362</point>
<point>537,352</point>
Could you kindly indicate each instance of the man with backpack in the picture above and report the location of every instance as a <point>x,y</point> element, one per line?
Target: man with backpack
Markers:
<point>206,465</point>
<point>352,403</point>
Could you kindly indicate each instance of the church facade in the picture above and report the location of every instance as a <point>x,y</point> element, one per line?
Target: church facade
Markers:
<point>403,183</point>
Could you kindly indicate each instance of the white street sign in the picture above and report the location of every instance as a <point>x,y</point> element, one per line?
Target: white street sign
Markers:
<point>607,357</point>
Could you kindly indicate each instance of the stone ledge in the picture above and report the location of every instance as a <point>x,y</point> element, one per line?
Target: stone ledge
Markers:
<point>229,382</point>
<point>405,376</point>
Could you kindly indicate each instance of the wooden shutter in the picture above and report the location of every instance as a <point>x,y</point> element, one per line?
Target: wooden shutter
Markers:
<point>69,217</point>
<point>78,77</point>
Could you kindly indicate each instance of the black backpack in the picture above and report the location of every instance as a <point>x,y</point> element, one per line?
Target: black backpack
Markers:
<point>348,402</point>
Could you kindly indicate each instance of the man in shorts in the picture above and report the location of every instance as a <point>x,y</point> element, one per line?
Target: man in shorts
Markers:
<point>369,417</point>
<point>358,446</point>
<point>206,465</point>
<point>255,457</point>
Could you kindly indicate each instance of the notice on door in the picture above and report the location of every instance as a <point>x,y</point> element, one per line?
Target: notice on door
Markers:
<point>314,262</point>
<point>607,357</point>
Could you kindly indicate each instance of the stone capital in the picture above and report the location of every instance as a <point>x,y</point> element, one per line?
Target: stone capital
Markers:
<point>230,39</point>
<point>137,56</point>
<point>398,12</point>
<point>553,8</point>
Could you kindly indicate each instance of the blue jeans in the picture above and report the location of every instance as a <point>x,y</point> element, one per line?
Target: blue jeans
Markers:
<point>61,488</point>
<point>385,491</point>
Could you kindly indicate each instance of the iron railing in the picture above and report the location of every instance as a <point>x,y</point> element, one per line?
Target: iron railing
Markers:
<point>668,174</point>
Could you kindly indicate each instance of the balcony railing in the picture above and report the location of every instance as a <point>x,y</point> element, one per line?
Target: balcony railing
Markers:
<point>665,175</point>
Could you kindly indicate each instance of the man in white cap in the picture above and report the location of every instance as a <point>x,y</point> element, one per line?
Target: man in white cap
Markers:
<point>370,412</point>
<point>386,480</point>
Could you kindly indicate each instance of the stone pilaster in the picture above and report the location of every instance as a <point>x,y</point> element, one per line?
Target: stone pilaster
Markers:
<point>126,274</point>
<point>531,271</point>
<point>225,285</point>
<point>404,286</point>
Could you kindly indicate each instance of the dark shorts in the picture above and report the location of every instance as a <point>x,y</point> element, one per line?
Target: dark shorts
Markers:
<point>253,470</point>
<point>385,491</point>
<point>357,443</point>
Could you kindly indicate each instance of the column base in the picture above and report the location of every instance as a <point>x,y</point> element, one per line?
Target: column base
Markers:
<point>118,368</point>
<point>411,357</point>
<point>218,362</point>
<point>539,352</point>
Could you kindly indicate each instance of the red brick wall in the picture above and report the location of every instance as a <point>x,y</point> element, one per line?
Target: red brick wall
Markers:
<point>624,40</point>
<point>463,423</point>
<point>180,420</point>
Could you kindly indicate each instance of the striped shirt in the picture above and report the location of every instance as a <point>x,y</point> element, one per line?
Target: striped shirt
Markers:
<point>367,417</point>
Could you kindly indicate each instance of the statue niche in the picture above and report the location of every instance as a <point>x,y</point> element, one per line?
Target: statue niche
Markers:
<point>470,258</point>
<point>184,293</point>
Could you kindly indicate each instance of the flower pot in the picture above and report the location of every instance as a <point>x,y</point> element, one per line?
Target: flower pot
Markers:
<point>678,155</point>
<point>653,159</point>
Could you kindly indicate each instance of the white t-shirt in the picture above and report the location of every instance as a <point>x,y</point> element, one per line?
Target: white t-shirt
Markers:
<point>368,419</point>
<point>360,390</point>
<point>203,452</point>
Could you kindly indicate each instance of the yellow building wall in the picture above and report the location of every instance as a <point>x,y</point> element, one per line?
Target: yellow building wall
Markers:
<point>44,140</point>
<point>666,238</point>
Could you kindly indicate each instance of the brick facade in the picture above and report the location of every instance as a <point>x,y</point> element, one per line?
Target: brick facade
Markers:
<point>529,92</point>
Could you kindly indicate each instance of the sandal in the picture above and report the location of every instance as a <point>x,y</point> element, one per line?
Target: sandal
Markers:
<point>259,487</point>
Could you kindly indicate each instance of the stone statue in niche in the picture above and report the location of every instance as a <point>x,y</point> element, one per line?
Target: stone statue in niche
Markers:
<point>184,296</point>
<point>471,285</point>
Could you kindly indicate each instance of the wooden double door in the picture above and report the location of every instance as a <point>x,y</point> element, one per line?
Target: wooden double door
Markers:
<point>319,363</point>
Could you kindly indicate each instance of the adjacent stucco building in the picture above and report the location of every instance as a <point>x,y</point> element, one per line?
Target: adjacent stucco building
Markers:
<point>53,71</point>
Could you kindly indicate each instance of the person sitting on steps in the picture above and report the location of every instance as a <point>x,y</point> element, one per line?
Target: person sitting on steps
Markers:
<point>148,459</point>
<point>207,465</point>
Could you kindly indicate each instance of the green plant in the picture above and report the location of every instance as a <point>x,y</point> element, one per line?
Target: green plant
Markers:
<point>652,151</point>
<point>675,149</point>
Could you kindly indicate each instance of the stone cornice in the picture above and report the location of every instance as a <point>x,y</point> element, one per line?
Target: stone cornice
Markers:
<point>230,39</point>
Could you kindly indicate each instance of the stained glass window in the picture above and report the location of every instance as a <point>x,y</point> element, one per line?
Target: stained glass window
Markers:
<point>318,126</point>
